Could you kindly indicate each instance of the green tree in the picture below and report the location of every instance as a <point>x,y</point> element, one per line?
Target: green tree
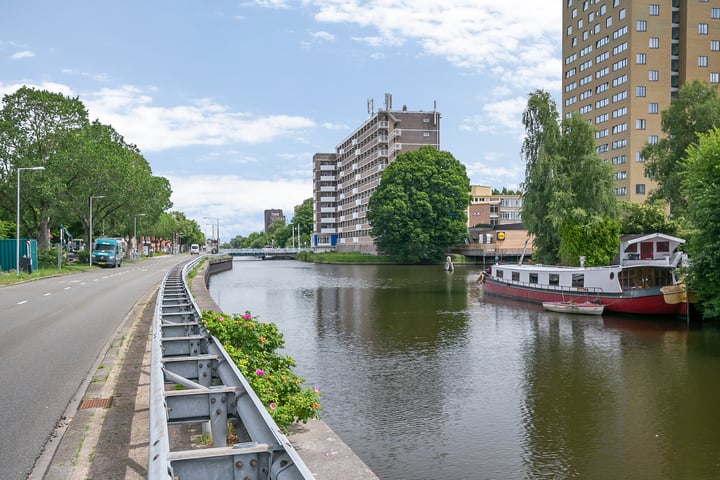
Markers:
<point>418,210</point>
<point>701,188</point>
<point>540,149</point>
<point>695,110</point>
<point>567,188</point>
<point>645,218</point>
<point>33,124</point>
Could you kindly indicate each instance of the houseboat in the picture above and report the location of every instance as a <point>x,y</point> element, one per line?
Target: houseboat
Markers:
<point>645,265</point>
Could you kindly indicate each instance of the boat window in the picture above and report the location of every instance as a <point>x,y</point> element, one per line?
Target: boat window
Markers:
<point>499,273</point>
<point>516,276</point>
<point>662,247</point>
<point>533,278</point>
<point>554,279</point>
<point>578,280</point>
<point>631,248</point>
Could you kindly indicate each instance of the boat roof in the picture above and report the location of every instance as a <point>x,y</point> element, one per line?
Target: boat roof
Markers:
<point>626,240</point>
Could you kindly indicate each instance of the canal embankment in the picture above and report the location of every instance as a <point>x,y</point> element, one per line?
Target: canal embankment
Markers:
<point>322,450</point>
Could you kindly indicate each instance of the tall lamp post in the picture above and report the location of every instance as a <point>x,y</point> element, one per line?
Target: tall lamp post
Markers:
<point>91,222</point>
<point>135,232</point>
<point>17,221</point>
<point>217,231</point>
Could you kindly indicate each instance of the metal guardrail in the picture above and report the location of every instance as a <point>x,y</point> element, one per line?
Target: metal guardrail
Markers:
<point>194,381</point>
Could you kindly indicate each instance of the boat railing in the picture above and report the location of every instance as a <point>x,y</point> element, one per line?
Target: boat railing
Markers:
<point>555,288</point>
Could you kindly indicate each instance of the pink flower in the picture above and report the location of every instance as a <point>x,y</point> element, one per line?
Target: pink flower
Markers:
<point>316,388</point>
<point>221,319</point>
<point>272,405</point>
<point>259,372</point>
<point>246,316</point>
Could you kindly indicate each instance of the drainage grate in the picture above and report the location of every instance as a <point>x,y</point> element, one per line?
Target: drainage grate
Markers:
<point>96,403</point>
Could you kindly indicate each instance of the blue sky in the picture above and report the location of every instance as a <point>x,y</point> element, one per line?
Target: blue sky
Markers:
<point>229,100</point>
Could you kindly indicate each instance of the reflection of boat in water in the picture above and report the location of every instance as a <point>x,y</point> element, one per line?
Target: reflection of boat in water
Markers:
<point>580,308</point>
<point>645,265</point>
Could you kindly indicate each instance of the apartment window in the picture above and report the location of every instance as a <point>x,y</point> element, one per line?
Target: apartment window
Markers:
<point>652,108</point>
<point>604,56</point>
<point>641,26</point>
<point>640,124</point>
<point>621,175</point>
<point>608,22</point>
<point>621,15</point>
<point>715,13</point>
<point>570,87</point>
<point>640,189</point>
<point>715,45</point>
<point>601,118</point>
<point>620,96</point>
<point>601,148</point>
<point>639,91</point>
<point>653,75</point>
<point>619,112</point>
<point>619,64</point>
<point>586,35</point>
<point>640,58</point>
<point>570,72</point>
<point>654,42</point>
<point>619,80</point>
<point>654,10</point>
<point>702,61</point>
<point>652,139</point>
<point>602,72</point>
<point>618,144</point>
<point>585,109</point>
<point>616,3</point>
<point>569,30</point>
<point>580,24</point>
<point>601,133</point>
<point>602,103</point>
<point>574,13</point>
<point>585,94</point>
<point>715,78</point>
<point>619,160</point>
<point>619,128</point>
<point>702,28</point>
<point>638,157</point>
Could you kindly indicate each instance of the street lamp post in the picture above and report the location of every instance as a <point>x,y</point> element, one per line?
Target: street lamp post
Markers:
<point>91,225</point>
<point>17,221</point>
<point>217,231</point>
<point>135,232</point>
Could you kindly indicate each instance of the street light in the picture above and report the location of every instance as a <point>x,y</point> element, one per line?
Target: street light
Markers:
<point>217,231</point>
<point>135,231</point>
<point>91,235</point>
<point>17,222</point>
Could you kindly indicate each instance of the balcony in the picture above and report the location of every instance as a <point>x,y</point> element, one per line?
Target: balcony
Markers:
<point>328,189</point>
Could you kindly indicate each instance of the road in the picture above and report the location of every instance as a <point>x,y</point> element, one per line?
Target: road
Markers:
<point>52,332</point>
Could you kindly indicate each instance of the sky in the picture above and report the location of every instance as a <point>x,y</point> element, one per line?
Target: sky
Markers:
<point>230,100</point>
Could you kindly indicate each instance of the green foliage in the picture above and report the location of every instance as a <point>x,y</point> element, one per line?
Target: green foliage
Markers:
<point>253,347</point>
<point>597,241</point>
<point>567,188</point>
<point>645,218</point>
<point>81,159</point>
<point>418,210</point>
<point>7,229</point>
<point>695,110</point>
<point>701,188</point>
<point>47,258</point>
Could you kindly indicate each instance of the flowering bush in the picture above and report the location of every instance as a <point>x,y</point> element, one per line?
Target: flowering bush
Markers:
<point>252,345</point>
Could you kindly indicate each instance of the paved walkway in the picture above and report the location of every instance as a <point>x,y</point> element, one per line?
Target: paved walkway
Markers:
<point>107,437</point>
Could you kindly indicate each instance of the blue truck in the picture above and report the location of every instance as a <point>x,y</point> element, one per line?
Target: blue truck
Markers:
<point>109,252</point>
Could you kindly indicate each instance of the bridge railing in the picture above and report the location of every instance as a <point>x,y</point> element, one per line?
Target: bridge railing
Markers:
<point>194,381</point>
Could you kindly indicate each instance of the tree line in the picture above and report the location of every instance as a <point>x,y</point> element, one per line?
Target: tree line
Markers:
<point>82,160</point>
<point>297,233</point>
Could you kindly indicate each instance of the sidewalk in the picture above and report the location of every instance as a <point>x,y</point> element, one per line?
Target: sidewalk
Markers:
<point>105,434</point>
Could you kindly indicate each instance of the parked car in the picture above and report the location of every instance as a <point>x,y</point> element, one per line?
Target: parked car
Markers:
<point>194,249</point>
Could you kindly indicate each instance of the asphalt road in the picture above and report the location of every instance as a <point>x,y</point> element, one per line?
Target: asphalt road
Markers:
<point>52,333</point>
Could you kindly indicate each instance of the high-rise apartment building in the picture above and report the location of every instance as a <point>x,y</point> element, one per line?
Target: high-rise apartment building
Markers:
<point>343,181</point>
<point>624,61</point>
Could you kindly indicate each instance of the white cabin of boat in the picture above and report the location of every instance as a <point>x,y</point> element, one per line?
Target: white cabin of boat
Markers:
<point>642,262</point>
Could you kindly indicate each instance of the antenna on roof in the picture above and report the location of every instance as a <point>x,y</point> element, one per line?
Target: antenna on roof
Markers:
<point>388,102</point>
<point>371,106</point>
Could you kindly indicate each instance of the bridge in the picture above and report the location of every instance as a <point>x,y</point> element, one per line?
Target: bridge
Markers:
<point>265,253</point>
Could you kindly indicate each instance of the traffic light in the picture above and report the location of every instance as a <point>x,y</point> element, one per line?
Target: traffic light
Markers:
<point>500,236</point>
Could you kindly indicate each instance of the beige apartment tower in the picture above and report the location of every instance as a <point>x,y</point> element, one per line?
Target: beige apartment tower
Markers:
<point>624,61</point>
<point>344,180</point>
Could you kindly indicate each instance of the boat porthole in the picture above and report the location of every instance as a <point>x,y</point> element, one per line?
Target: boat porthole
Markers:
<point>612,275</point>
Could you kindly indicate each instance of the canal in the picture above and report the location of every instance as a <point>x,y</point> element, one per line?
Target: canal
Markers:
<point>426,378</point>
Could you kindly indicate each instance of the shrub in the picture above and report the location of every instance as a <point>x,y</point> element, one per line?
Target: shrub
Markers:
<point>252,345</point>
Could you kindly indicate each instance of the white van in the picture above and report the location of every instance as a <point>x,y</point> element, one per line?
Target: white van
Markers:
<point>194,249</point>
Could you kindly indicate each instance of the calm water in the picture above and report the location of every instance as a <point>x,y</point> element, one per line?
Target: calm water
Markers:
<point>425,378</point>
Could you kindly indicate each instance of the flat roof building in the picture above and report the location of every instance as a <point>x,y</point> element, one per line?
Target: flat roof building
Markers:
<point>344,180</point>
<point>624,61</point>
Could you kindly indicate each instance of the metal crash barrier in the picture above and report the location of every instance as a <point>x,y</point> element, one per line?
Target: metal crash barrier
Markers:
<point>193,381</point>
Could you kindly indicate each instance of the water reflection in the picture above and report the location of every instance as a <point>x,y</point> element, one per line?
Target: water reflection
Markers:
<point>425,377</point>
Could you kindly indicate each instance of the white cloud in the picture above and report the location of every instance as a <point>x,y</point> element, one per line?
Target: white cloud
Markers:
<point>504,116</point>
<point>323,36</point>
<point>237,202</point>
<point>204,122</point>
<point>22,54</point>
